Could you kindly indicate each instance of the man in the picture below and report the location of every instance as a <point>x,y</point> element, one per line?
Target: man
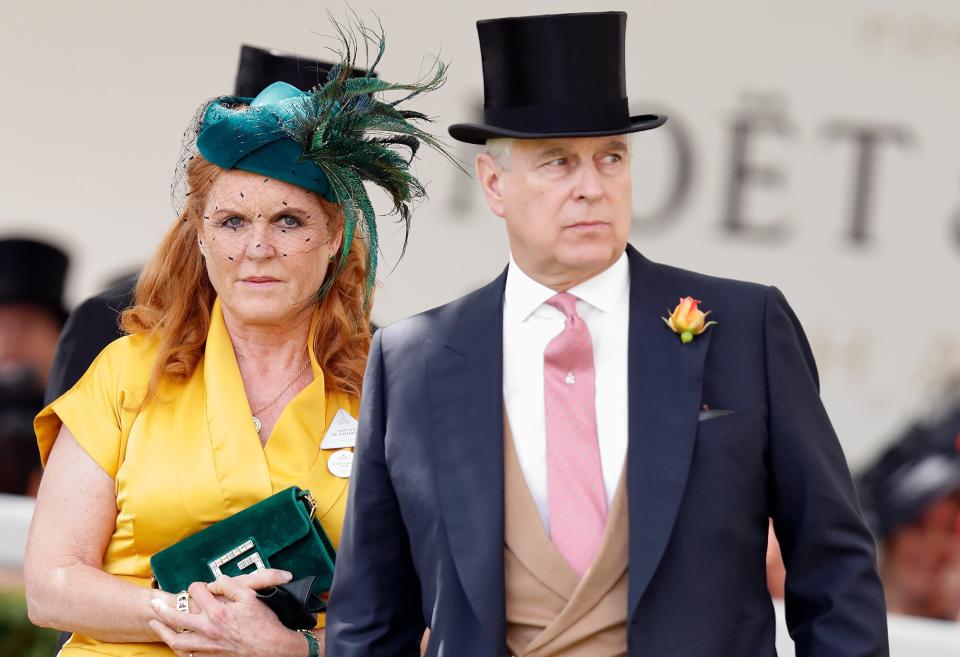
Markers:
<point>547,467</point>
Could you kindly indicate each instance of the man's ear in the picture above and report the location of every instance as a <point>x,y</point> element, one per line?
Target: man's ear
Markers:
<point>490,176</point>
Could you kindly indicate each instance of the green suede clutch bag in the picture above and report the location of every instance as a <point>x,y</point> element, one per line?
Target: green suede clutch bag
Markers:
<point>278,532</point>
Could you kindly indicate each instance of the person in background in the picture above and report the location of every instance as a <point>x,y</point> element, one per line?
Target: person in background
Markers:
<point>91,326</point>
<point>20,466</point>
<point>946,436</point>
<point>911,498</point>
<point>95,322</point>
<point>776,571</point>
<point>32,312</point>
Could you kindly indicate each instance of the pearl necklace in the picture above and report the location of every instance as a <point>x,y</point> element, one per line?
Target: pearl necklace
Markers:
<point>256,420</point>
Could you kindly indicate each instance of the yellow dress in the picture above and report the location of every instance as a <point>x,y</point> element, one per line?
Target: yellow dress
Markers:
<point>191,457</point>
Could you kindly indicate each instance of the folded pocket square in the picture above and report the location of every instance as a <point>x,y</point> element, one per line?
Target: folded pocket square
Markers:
<point>712,414</point>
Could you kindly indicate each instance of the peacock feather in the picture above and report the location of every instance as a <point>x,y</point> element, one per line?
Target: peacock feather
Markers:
<point>355,138</point>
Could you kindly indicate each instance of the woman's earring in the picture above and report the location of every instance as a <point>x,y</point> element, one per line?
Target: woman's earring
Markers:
<point>330,259</point>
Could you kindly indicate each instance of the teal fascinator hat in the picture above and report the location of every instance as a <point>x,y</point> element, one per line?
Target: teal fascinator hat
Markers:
<point>331,140</point>
<point>250,134</point>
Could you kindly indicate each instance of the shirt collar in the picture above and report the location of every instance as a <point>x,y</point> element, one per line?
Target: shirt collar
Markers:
<point>606,291</point>
<point>522,294</point>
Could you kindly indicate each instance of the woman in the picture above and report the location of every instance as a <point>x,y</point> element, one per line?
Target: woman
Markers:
<point>248,339</point>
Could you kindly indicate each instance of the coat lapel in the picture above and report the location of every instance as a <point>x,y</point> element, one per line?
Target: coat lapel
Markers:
<point>665,385</point>
<point>465,386</point>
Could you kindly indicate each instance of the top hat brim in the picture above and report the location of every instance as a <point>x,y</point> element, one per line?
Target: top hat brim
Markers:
<point>479,133</point>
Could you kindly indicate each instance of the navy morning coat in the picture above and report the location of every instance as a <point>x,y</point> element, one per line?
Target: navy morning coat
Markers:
<point>423,544</point>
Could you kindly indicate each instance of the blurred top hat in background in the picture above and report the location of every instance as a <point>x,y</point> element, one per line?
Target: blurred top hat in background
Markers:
<point>33,272</point>
<point>261,67</point>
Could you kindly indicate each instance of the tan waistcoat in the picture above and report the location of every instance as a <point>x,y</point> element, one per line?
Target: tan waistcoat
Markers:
<point>551,611</point>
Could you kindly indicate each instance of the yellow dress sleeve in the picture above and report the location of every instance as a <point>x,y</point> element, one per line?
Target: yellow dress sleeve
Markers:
<point>91,410</point>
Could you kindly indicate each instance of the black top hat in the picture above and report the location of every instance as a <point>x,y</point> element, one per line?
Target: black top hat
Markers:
<point>559,75</point>
<point>33,272</point>
<point>259,68</point>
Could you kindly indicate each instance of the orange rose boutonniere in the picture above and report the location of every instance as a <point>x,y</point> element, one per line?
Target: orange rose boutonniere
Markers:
<point>687,320</point>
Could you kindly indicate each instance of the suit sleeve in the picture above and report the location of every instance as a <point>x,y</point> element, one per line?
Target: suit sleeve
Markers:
<point>834,599</point>
<point>375,606</point>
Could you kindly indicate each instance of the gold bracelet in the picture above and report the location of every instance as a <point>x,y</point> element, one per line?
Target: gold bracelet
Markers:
<point>312,641</point>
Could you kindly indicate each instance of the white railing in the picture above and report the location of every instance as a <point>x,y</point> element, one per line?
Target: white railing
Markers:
<point>909,637</point>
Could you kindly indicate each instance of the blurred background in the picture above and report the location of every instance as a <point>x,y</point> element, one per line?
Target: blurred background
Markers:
<point>813,146</point>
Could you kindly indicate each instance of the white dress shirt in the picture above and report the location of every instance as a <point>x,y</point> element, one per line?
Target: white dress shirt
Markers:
<point>529,324</point>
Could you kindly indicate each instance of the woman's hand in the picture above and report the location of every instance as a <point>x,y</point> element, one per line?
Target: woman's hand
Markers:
<point>228,620</point>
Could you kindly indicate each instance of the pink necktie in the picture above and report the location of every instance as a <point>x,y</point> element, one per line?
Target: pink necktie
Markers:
<point>575,494</point>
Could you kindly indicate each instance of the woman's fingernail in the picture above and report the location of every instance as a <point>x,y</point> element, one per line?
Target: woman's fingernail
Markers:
<point>158,603</point>
<point>287,576</point>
